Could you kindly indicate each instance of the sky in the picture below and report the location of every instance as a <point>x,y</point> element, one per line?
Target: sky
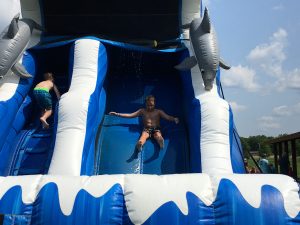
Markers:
<point>260,40</point>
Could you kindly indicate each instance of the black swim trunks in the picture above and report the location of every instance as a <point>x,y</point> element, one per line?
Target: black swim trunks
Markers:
<point>152,130</point>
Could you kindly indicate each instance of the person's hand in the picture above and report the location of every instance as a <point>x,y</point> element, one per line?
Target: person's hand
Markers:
<point>176,120</point>
<point>113,113</point>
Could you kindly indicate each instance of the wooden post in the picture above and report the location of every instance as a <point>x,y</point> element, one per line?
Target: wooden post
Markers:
<point>280,153</point>
<point>275,157</point>
<point>286,148</point>
<point>294,159</point>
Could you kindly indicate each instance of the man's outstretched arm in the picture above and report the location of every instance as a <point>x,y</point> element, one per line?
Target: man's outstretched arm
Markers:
<point>168,117</point>
<point>127,115</point>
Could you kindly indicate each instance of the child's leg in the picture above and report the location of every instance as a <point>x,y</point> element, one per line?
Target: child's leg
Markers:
<point>142,140</point>
<point>44,118</point>
<point>159,138</point>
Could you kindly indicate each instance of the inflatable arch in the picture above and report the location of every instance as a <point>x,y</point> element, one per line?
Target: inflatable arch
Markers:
<point>84,169</point>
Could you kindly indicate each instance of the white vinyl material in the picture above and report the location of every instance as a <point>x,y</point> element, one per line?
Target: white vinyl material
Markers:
<point>8,9</point>
<point>190,10</point>
<point>73,110</point>
<point>31,9</point>
<point>144,194</point>
<point>10,82</point>
<point>28,8</point>
<point>214,139</point>
<point>8,86</point>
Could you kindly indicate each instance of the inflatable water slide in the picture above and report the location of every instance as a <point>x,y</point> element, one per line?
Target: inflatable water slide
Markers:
<point>109,56</point>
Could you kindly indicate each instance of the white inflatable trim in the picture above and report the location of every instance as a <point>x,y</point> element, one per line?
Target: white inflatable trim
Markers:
<point>215,124</point>
<point>144,194</point>
<point>190,10</point>
<point>31,10</point>
<point>215,139</point>
<point>8,9</point>
<point>8,86</point>
<point>73,110</point>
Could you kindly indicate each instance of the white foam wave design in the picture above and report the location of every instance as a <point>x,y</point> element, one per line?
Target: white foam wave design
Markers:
<point>144,194</point>
<point>250,186</point>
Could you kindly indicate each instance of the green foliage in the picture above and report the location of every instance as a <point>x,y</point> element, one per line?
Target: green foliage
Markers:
<point>259,143</point>
<point>256,143</point>
<point>297,144</point>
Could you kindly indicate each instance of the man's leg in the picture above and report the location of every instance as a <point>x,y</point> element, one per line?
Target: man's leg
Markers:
<point>144,136</point>
<point>159,138</point>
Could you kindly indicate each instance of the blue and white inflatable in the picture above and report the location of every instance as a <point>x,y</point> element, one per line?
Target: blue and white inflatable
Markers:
<point>84,169</point>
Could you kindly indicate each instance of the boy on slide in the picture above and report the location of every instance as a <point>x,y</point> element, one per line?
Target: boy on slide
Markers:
<point>151,120</point>
<point>43,97</point>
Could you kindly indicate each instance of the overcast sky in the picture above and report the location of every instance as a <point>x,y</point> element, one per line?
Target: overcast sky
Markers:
<point>260,40</point>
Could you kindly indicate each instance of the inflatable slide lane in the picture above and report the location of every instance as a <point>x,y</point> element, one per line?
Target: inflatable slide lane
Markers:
<point>85,169</point>
<point>26,148</point>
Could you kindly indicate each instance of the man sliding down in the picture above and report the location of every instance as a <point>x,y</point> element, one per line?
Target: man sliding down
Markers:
<point>151,121</point>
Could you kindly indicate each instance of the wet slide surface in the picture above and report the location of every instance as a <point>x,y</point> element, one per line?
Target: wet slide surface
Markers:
<point>118,136</point>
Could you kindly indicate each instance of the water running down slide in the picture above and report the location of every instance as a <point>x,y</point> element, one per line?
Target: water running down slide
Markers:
<point>118,136</point>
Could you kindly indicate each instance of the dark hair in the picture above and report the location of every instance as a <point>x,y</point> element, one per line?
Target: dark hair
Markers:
<point>48,76</point>
<point>149,97</point>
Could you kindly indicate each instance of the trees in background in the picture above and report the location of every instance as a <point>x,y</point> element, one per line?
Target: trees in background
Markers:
<point>259,144</point>
<point>256,143</point>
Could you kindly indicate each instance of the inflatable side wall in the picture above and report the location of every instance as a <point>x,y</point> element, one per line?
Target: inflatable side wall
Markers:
<point>80,110</point>
<point>150,199</point>
<point>98,76</point>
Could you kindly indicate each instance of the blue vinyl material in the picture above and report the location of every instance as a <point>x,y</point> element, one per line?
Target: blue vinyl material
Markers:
<point>32,152</point>
<point>13,115</point>
<point>126,75</point>
<point>236,151</point>
<point>95,115</point>
<point>108,209</point>
<point>28,148</point>
<point>14,195</point>
<point>192,116</point>
<point>229,208</point>
<point>127,88</point>
<point>9,108</point>
<point>7,153</point>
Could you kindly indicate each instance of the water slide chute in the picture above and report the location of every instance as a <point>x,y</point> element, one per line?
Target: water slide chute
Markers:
<point>84,170</point>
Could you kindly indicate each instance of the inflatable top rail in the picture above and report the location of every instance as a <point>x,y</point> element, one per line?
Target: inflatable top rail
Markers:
<point>115,20</point>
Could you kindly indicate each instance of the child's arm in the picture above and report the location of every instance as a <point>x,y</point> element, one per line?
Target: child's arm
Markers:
<point>168,117</point>
<point>56,91</point>
<point>128,115</point>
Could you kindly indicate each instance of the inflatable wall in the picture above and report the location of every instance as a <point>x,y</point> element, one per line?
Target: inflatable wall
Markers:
<point>108,56</point>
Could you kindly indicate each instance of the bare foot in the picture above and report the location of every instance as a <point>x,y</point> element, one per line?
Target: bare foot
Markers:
<point>44,123</point>
<point>139,146</point>
<point>161,143</point>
